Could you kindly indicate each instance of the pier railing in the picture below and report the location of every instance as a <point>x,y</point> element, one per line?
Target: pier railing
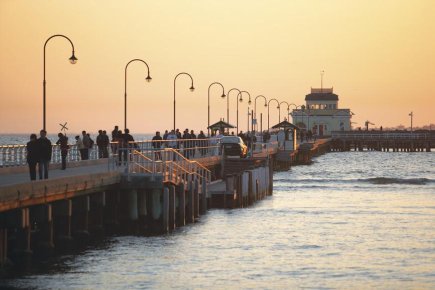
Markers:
<point>168,162</point>
<point>16,155</point>
<point>382,135</point>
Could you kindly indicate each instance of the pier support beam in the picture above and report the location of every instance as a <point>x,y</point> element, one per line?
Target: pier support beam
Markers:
<point>80,218</point>
<point>190,216</point>
<point>96,215</point>
<point>203,208</point>
<point>172,207</point>
<point>62,213</point>
<point>3,247</point>
<point>41,217</point>
<point>165,211</point>
<point>181,194</point>
<point>196,198</point>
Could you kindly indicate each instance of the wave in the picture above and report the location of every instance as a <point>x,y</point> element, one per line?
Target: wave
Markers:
<point>375,180</point>
<point>389,180</point>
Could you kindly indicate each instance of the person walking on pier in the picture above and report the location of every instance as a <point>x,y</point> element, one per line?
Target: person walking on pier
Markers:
<point>102,143</point>
<point>63,143</point>
<point>33,155</point>
<point>45,150</point>
<point>129,143</point>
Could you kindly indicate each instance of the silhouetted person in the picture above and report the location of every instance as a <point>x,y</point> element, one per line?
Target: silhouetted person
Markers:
<point>106,143</point>
<point>157,144</point>
<point>128,143</point>
<point>186,144</point>
<point>202,143</point>
<point>87,144</point>
<point>63,144</point>
<point>33,155</point>
<point>45,154</point>
<point>100,143</point>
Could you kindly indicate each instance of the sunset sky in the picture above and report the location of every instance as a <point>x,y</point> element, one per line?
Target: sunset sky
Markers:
<point>379,56</point>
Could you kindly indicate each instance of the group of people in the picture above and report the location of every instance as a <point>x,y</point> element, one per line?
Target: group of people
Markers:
<point>39,153</point>
<point>174,139</point>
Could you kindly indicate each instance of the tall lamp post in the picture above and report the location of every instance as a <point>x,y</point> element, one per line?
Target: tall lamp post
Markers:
<point>255,105</point>
<point>191,89</point>
<point>223,96</point>
<point>148,79</point>
<point>288,110</point>
<point>268,111</point>
<point>241,100</point>
<point>228,102</point>
<point>72,60</point>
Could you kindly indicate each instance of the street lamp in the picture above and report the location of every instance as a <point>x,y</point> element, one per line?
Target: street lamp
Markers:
<point>241,100</point>
<point>268,109</point>
<point>255,105</point>
<point>72,60</point>
<point>228,102</point>
<point>148,79</point>
<point>223,96</point>
<point>288,110</point>
<point>191,89</point>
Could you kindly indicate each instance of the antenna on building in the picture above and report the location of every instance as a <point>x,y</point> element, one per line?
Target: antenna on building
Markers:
<point>322,72</point>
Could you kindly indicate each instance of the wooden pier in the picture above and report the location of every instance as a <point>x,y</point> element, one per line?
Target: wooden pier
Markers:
<point>144,196</point>
<point>395,141</point>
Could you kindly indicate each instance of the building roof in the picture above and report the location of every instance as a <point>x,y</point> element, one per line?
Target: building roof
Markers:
<point>321,97</point>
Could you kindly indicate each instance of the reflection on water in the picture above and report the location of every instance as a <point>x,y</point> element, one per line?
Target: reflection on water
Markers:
<point>327,225</point>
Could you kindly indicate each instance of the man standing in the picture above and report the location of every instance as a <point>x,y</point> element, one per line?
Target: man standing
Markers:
<point>33,155</point>
<point>202,143</point>
<point>87,144</point>
<point>157,142</point>
<point>105,145</point>
<point>100,143</point>
<point>63,143</point>
<point>45,150</point>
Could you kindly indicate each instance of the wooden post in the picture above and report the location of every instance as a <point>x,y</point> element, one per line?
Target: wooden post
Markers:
<point>190,204</point>
<point>165,210</point>
<point>3,247</point>
<point>172,209</point>
<point>204,196</point>
<point>196,198</point>
<point>181,219</point>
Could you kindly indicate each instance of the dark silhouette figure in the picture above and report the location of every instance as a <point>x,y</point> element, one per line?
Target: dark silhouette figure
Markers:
<point>63,143</point>
<point>128,142</point>
<point>156,142</point>
<point>33,155</point>
<point>87,144</point>
<point>202,143</point>
<point>45,154</point>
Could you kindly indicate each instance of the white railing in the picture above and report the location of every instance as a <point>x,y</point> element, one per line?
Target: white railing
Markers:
<point>16,155</point>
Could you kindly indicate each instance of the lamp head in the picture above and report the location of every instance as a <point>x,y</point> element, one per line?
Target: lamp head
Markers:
<point>148,79</point>
<point>240,100</point>
<point>73,59</point>
<point>223,96</point>
<point>265,104</point>
<point>278,107</point>
<point>249,102</point>
<point>192,88</point>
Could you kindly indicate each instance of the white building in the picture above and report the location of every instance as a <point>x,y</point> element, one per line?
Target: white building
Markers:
<point>321,113</point>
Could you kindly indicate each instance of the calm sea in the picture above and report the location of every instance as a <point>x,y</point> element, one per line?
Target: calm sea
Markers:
<point>352,220</point>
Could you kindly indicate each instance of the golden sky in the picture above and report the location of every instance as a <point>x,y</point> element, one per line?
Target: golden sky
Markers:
<point>379,55</point>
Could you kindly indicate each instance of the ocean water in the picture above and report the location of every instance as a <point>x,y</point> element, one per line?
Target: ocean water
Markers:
<point>351,220</point>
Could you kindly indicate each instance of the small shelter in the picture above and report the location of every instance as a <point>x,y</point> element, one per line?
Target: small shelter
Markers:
<point>221,126</point>
<point>287,140</point>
